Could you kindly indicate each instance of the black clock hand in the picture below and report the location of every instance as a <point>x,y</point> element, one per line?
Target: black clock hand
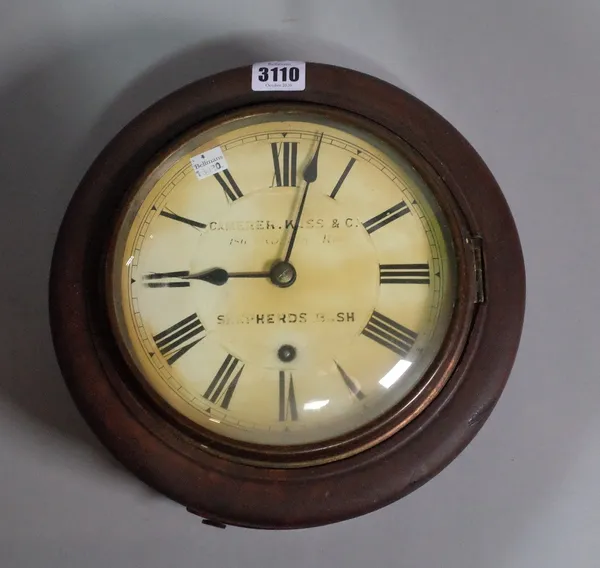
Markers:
<point>216,276</point>
<point>219,276</point>
<point>310,175</point>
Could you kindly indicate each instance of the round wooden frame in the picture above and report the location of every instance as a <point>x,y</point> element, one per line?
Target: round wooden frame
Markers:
<point>164,453</point>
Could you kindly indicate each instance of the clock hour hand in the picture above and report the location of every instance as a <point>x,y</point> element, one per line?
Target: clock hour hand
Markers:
<point>219,276</point>
<point>310,176</point>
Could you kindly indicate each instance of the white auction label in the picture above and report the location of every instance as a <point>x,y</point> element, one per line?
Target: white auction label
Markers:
<point>279,76</point>
<point>209,163</point>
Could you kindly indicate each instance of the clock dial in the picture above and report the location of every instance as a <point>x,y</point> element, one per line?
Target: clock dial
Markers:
<point>293,294</point>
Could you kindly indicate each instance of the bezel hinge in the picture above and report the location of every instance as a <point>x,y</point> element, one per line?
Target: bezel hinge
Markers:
<point>476,245</point>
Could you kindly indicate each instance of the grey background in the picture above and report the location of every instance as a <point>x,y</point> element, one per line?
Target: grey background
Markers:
<point>519,78</point>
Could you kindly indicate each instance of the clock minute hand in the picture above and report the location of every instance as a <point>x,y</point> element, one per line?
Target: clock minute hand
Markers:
<point>310,175</point>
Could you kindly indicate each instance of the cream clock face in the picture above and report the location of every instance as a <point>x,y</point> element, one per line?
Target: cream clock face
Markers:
<point>268,334</point>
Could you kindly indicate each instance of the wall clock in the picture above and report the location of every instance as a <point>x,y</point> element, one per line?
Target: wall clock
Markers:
<point>287,295</point>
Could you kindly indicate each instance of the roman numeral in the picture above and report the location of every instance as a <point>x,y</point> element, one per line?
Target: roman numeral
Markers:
<point>177,340</point>
<point>390,334</point>
<point>285,163</point>
<point>170,215</point>
<point>386,217</point>
<point>404,273</point>
<point>223,386</point>
<point>166,279</point>
<point>352,385</point>
<point>342,178</point>
<point>230,187</point>
<point>287,398</point>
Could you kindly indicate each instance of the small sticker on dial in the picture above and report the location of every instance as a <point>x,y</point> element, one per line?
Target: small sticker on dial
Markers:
<point>209,163</point>
<point>279,76</point>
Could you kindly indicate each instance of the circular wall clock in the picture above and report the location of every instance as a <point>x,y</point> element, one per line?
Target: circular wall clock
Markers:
<point>286,308</point>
